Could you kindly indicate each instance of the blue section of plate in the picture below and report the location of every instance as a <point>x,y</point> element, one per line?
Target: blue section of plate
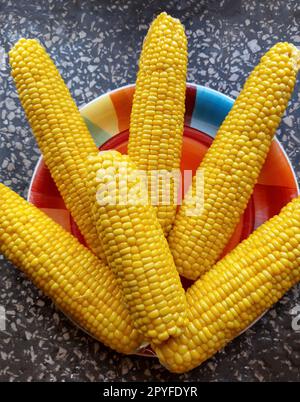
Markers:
<point>211,108</point>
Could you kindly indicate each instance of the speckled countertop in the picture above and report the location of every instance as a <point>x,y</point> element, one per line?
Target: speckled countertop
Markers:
<point>96,46</point>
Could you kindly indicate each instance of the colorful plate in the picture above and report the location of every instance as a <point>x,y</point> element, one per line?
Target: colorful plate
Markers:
<point>107,118</point>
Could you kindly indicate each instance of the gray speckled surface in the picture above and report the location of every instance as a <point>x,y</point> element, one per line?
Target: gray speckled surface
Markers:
<point>96,46</point>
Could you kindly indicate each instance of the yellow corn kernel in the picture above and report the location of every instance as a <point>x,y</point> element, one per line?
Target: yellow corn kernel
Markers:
<point>73,277</point>
<point>59,129</point>
<point>234,162</point>
<point>142,262</point>
<point>156,123</point>
<point>253,291</point>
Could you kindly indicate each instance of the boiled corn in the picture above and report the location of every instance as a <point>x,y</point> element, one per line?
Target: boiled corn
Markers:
<point>232,164</point>
<point>237,290</point>
<point>156,123</point>
<point>135,247</point>
<point>77,282</point>
<point>59,129</point>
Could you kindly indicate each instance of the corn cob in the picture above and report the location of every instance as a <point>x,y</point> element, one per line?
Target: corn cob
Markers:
<point>135,247</point>
<point>156,123</point>
<point>81,286</point>
<point>237,290</point>
<point>233,163</point>
<point>58,128</point>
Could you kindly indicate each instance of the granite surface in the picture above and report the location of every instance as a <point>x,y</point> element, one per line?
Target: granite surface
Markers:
<point>96,46</point>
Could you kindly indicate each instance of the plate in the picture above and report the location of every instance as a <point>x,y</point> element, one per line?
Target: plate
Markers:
<point>107,118</point>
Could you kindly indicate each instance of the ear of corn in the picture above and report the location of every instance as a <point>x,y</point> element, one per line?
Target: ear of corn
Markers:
<point>59,129</point>
<point>237,290</point>
<point>135,247</point>
<point>233,163</point>
<point>156,123</point>
<point>77,282</point>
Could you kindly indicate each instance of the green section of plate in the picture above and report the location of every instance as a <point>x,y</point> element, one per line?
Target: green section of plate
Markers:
<point>99,135</point>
